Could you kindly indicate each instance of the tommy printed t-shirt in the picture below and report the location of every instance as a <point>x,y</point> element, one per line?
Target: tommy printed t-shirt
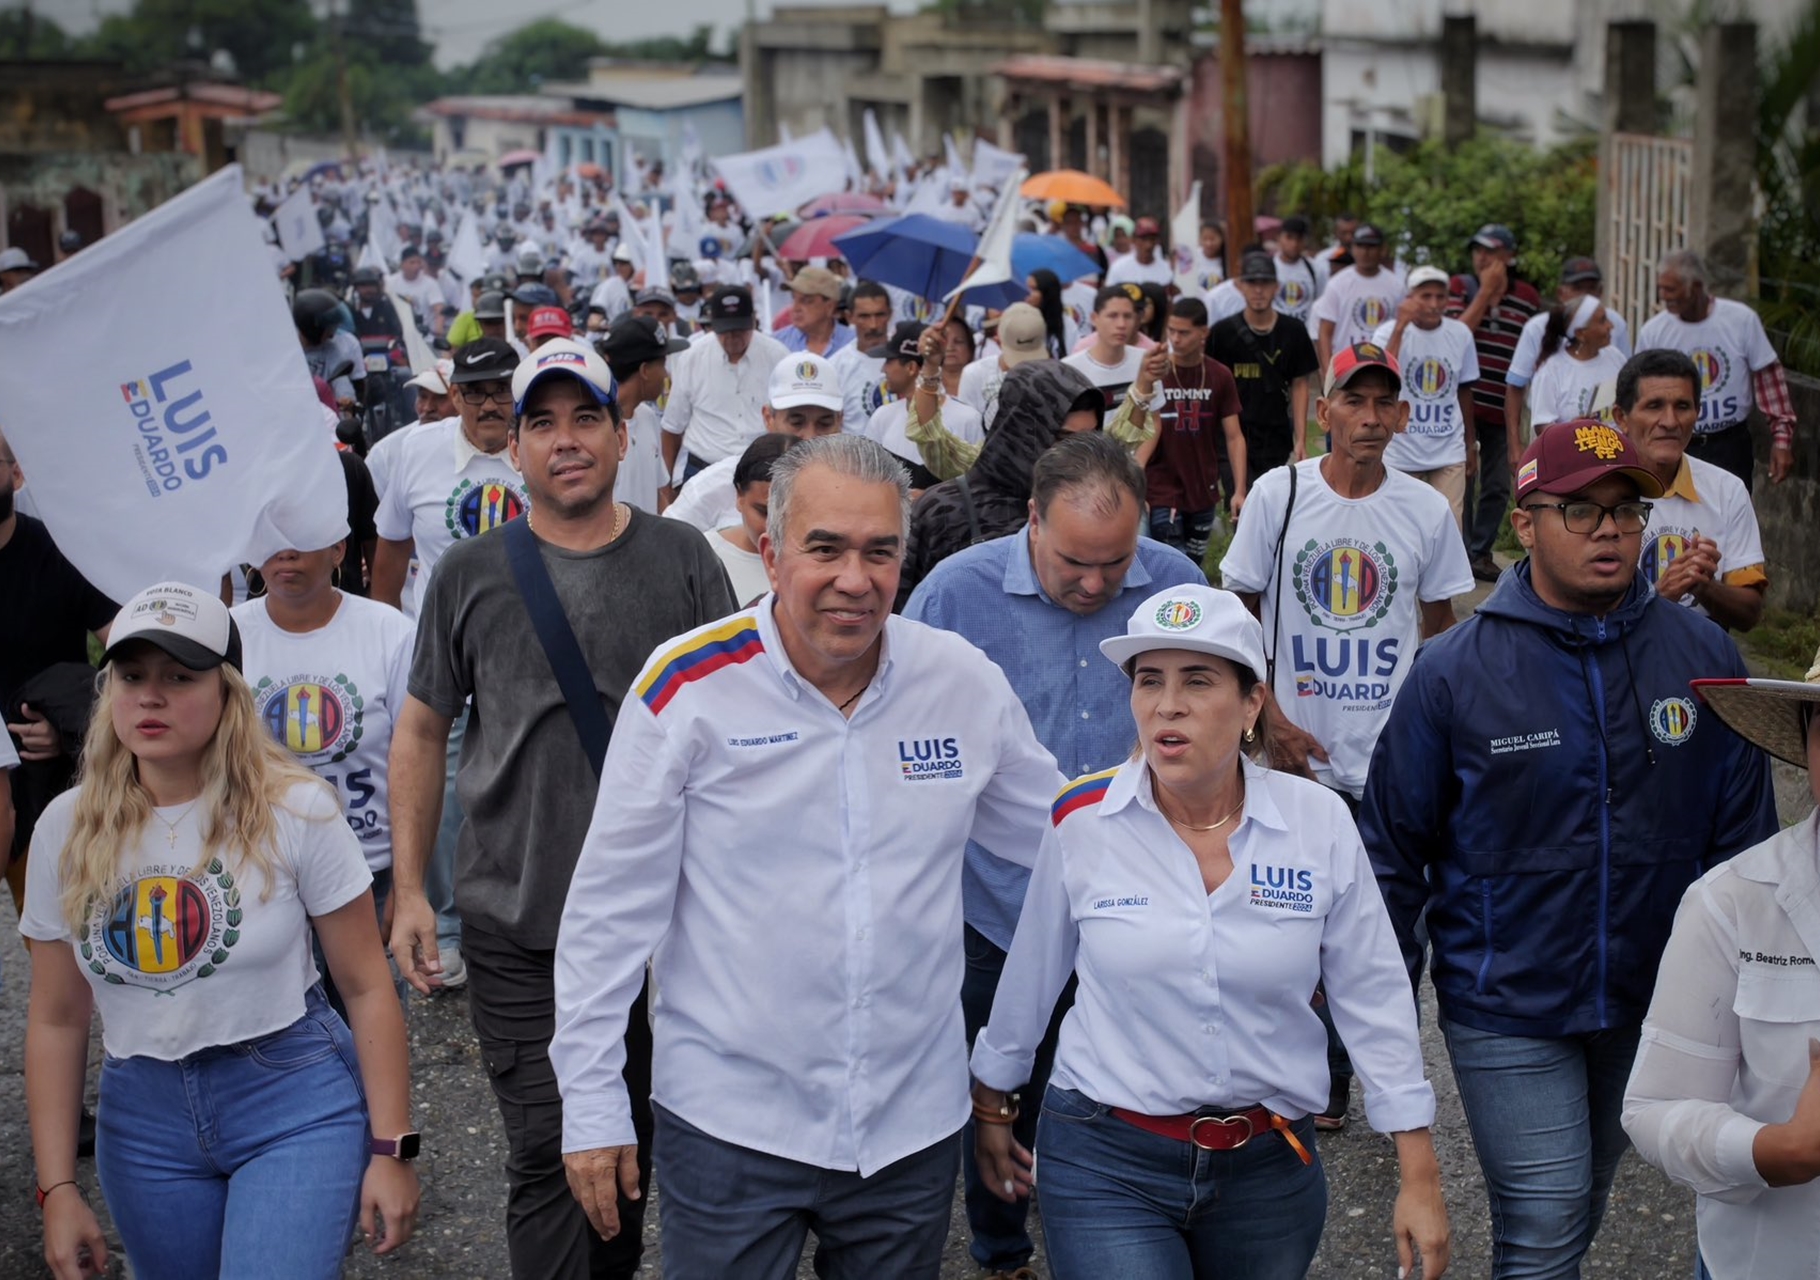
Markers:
<point>1704,501</point>
<point>179,962</point>
<point>1184,471</point>
<point>1355,571</point>
<point>1726,347</point>
<point>331,697</point>
<point>442,491</point>
<point>1435,363</point>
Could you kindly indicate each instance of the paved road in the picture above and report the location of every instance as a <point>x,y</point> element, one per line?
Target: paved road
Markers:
<point>1648,1232</point>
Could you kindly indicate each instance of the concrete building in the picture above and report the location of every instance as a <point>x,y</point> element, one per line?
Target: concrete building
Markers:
<point>654,107</point>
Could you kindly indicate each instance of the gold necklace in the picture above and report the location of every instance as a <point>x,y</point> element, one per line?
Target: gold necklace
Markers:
<point>1189,826</point>
<point>171,824</point>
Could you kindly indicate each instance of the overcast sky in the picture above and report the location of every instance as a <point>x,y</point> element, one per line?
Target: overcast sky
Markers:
<point>461,28</point>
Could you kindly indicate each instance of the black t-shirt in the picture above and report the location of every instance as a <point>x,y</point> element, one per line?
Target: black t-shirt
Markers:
<point>1265,367</point>
<point>50,607</point>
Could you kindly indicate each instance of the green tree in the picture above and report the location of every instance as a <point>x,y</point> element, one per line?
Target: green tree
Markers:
<point>25,35</point>
<point>1788,180</point>
<point>548,49</point>
<point>260,35</point>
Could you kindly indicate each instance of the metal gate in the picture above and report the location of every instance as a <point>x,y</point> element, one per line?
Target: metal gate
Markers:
<point>1651,185</point>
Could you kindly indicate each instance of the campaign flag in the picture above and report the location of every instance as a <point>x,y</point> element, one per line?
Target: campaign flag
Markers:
<point>878,156</point>
<point>995,246</point>
<point>299,233</point>
<point>180,449</point>
<point>467,258</point>
<point>780,179</point>
<point>900,154</point>
<point>1185,242</point>
<point>856,176</point>
<point>370,257</point>
<point>631,232</point>
<point>993,166</point>
<point>957,172</point>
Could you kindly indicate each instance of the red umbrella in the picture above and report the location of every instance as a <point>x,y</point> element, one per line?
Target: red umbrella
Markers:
<point>843,202</point>
<point>511,159</point>
<point>815,238</point>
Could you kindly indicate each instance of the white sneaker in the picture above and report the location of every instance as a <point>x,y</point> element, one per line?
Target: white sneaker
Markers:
<point>454,969</point>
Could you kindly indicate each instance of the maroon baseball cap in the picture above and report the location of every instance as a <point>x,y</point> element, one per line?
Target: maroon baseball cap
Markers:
<point>1565,457</point>
<point>1147,227</point>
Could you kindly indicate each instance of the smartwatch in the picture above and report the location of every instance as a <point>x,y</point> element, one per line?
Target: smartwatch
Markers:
<point>403,1147</point>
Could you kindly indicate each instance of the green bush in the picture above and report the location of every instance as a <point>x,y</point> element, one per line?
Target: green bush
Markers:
<point>1431,200</point>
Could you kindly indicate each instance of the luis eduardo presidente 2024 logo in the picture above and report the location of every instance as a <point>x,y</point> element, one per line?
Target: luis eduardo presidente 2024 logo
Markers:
<point>173,439</point>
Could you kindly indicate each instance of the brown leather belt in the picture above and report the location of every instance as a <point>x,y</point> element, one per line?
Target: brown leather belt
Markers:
<point>1226,1131</point>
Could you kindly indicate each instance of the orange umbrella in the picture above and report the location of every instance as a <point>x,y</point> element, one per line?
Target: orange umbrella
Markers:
<point>1073,187</point>
<point>590,170</point>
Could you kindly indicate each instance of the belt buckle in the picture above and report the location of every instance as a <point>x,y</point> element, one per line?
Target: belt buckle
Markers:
<point>1224,1124</point>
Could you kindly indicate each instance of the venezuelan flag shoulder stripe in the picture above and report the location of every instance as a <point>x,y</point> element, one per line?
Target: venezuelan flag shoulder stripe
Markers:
<point>1079,794</point>
<point>700,656</point>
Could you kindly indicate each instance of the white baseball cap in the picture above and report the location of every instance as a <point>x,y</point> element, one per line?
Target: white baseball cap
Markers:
<point>804,378</point>
<point>435,379</point>
<point>1197,618</point>
<point>190,624</point>
<point>16,259</point>
<point>563,356</point>
<point>1426,275</point>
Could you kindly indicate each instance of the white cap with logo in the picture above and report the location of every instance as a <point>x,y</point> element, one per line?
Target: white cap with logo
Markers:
<point>190,624</point>
<point>804,378</point>
<point>1197,618</point>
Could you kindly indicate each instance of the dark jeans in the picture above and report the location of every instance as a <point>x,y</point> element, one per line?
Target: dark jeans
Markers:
<point>1001,1239</point>
<point>1186,531</point>
<point>1731,449</point>
<point>512,1000</point>
<point>1545,1118</point>
<point>1485,514</point>
<point>731,1213</point>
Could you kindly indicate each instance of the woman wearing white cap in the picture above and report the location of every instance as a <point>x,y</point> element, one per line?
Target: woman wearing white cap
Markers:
<point>1724,1096</point>
<point>1199,898</point>
<point>174,892</point>
<point>1577,373</point>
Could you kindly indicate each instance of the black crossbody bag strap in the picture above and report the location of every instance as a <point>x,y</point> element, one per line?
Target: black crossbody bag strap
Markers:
<point>558,640</point>
<point>1276,602</point>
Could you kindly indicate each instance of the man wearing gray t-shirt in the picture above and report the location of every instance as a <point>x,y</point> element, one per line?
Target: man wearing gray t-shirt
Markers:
<point>626,582</point>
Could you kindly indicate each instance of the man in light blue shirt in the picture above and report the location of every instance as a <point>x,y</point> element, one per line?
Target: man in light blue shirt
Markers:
<point>1038,602</point>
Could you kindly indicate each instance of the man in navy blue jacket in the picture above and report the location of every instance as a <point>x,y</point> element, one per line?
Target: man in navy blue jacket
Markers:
<point>1546,789</point>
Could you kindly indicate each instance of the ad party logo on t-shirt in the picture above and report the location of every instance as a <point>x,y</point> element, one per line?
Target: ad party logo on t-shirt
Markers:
<point>1715,368</point>
<point>316,718</point>
<point>479,506</point>
<point>164,928</point>
<point>1369,313</point>
<point>1345,584</point>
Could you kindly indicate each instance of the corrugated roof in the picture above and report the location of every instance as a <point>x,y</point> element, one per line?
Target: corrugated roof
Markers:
<point>651,93</point>
<point>1090,73</point>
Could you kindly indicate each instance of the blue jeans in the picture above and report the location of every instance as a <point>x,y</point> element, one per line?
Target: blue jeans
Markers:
<point>1118,1201</point>
<point>732,1212</point>
<point>239,1160</point>
<point>1001,1238</point>
<point>1545,1117</point>
<point>439,876</point>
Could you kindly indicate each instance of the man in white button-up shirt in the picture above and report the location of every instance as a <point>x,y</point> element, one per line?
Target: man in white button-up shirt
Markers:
<point>782,817</point>
<point>717,388</point>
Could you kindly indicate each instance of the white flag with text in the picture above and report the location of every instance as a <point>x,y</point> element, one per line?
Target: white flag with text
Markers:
<point>781,179</point>
<point>180,449</point>
<point>299,233</point>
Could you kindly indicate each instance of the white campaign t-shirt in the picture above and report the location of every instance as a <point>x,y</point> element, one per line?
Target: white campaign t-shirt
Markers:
<point>1298,285</point>
<point>1726,347</point>
<point>1114,380</point>
<point>331,697</point>
<point>981,382</point>
<point>1357,305</point>
<point>641,471</point>
<point>1723,513</point>
<point>708,501</point>
<point>1077,313</point>
<point>179,962</point>
<point>862,385</point>
<point>745,569</point>
<point>1565,388</point>
<point>1355,571</point>
<point>1435,363</point>
<point>889,427</point>
<point>436,501</point>
<point>1128,270</point>
<point>1529,345</point>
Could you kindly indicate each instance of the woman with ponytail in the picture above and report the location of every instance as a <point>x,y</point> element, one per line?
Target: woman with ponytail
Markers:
<point>1577,371</point>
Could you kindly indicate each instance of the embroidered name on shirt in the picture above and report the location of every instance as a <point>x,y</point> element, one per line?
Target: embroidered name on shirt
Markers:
<point>1282,889</point>
<point>1790,962</point>
<point>927,759</point>
<point>1525,741</point>
<point>1106,904</point>
<point>764,740</point>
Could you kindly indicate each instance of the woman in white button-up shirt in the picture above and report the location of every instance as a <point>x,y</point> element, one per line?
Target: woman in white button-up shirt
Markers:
<point>1200,898</point>
<point>1724,1096</point>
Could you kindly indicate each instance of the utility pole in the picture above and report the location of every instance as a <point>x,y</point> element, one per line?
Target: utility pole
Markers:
<point>1241,225</point>
<point>342,91</point>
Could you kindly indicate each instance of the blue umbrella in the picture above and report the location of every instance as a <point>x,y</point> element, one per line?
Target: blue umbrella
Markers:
<point>1031,252</point>
<point>917,253</point>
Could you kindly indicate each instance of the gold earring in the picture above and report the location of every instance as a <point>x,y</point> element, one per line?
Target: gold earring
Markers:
<point>1251,735</point>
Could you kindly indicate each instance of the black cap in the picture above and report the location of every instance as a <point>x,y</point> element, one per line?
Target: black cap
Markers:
<point>906,343</point>
<point>636,339</point>
<point>1368,235</point>
<point>1256,266</point>
<point>730,310</point>
<point>1581,271</point>
<point>409,251</point>
<point>490,306</point>
<point>1495,235</point>
<point>1296,225</point>
<point>535,295</point>
<point>484,360</point>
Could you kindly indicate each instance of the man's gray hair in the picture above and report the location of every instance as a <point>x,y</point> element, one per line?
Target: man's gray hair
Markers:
<point>858,457</point>
<point>1684,263</point>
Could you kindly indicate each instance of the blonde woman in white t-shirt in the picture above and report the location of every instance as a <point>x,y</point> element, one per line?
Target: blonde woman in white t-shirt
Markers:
<point>1578,370</point>
<point>174,892</point>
